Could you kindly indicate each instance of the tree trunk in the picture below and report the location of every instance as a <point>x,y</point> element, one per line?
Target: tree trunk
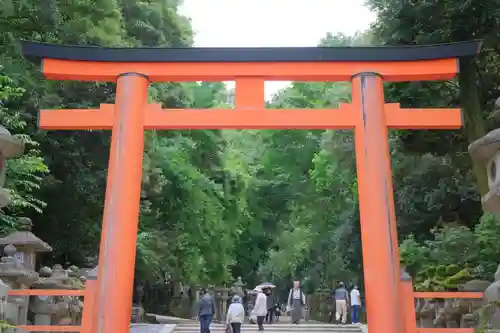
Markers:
<point>474,124</point>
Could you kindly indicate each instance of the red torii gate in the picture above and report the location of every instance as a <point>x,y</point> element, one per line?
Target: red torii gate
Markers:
<point>368,114</point>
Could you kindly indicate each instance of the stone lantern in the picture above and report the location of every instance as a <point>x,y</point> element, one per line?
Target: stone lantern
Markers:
<point>15,276</point>
<point>26,243</point>
<point>486,151</point>
<point>224,300</point>
<point>238,287</point>
<point>9,147</point>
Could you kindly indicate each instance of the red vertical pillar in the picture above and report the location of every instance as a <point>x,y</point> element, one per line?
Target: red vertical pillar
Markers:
<point>249,93</point>
<point>407,303</point>
<point>89,305</point>
<point>121,211</point>
<point>109,178</point>
<point>376,204</point>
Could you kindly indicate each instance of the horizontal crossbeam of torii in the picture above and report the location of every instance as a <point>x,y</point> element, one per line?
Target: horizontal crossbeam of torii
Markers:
<point>368,114</point>
<point>345,117</point>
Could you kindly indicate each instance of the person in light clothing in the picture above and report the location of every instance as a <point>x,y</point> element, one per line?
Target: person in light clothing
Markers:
<point>260,308</point>
<point>355,305</point>
<point>296,302</point>
<point>235,314</point>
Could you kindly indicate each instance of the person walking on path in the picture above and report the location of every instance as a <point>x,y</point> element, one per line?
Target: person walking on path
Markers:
<point>206,311</point>
<point>355,305</point>
<point>270,306</point>
<point>341,302</point>
<point>260,308</point>
<point>235,314</point>
<point>296,302</point>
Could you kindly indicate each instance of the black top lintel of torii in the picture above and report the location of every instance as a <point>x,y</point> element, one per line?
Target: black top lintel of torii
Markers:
<point>253,54</point>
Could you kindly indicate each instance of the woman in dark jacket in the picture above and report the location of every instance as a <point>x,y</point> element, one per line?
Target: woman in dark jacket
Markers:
<point>270,306</point>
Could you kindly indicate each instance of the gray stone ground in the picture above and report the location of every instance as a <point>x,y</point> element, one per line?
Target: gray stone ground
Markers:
<point>151,328</point>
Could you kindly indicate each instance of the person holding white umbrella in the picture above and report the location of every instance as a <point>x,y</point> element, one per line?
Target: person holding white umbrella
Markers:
<point>260,308</point>
<point>267,288</point>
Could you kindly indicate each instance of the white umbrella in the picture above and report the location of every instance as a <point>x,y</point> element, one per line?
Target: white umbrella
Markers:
<point>264,285</point>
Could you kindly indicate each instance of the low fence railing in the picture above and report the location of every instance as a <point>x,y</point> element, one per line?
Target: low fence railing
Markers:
<point>408,297</point>
<point>88,314</point>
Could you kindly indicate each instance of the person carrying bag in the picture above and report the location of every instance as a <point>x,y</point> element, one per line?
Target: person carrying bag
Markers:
<point>235,316</point>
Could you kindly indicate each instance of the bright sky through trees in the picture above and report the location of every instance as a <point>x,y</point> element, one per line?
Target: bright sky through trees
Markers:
<point>239,23</point>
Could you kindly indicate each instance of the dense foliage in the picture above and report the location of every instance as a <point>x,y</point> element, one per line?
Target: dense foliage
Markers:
<point>259,204</point>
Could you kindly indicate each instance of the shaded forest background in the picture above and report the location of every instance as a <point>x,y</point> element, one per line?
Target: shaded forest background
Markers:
<point>268,205</point>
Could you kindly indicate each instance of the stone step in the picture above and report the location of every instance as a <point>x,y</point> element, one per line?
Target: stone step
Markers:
<point>275,328</point>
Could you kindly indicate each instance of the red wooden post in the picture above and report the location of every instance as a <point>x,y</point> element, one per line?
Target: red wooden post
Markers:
<point>407,303</point>
<point>378,224</point>
<point>117,257</point>
<point>89,306</point>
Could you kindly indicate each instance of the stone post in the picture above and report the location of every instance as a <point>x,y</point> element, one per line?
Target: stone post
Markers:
<point>197,292</point>
<point>56,310</point>
<point>492,301</point>
<point>237,289</point>
<point>43,307</point>
<point>4,289</point>
<point>197,296</point>
<point>321,310</point>
<point>470,309</point>
<point>251,297</point>
<point>486,151</point>
<point>137,309</point>
<point>216,294</point>
<point>224,292</point>
<point>9,147</point>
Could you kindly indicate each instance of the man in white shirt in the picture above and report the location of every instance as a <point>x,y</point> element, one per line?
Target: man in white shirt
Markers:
<point>355,305</point>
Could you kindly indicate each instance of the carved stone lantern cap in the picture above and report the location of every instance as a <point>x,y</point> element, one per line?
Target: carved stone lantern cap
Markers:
<point>483,149</point>
<point>9,145</point>
<point>24,237</point>
<point>239,282</point>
